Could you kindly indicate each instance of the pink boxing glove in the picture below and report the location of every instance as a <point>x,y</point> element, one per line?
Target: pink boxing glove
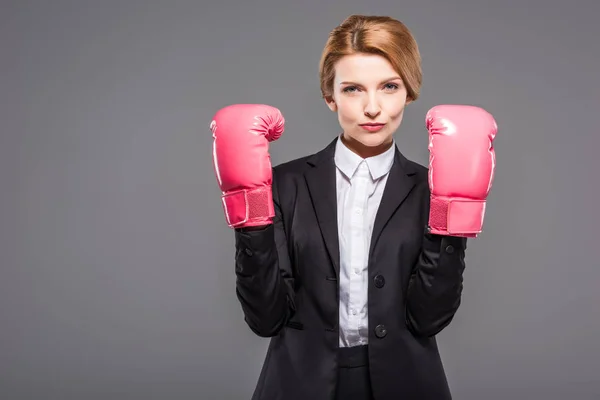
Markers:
<point>462,162</point>
<point>242,164</point>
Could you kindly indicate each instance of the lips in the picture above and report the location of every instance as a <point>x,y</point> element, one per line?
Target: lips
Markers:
<point>372,126</point>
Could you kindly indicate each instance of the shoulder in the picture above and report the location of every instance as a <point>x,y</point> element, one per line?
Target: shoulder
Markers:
<point>293,167</point>
<point>296,168</point>
<point>418,176</point>
<point>421,172</point>
<point>288,175</point>
<point>422,178</point>
<point>289,172</point>
<point>418,172</point>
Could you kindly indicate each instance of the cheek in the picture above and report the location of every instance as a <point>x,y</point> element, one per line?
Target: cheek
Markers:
<point>395,109</point>
<point>348,110</point>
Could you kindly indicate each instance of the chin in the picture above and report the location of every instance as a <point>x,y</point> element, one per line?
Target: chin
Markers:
<point>372,139</point>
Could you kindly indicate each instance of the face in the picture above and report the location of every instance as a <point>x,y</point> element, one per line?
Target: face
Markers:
<point>369,98</point>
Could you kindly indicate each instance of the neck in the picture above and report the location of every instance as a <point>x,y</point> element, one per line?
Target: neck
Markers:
<point>366,151</point>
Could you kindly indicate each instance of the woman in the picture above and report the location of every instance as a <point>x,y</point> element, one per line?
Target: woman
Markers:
<point>344,258</point>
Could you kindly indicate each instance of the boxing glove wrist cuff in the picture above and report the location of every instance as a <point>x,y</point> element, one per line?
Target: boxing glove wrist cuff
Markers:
<point>248,207</point>
<point>454,216</point>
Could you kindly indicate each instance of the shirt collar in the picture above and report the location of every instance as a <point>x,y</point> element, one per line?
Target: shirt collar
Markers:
<point>347,161</point>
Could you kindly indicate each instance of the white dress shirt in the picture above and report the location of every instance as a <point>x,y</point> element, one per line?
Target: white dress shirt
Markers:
<point>360,183</point>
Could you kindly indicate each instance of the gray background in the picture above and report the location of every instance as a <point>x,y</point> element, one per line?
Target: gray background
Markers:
<point>117,277</point>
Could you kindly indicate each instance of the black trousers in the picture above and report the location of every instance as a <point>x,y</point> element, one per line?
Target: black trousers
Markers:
<point>354,382</point>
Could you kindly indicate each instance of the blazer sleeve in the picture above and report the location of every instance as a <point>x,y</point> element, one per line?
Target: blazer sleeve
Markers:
<point>264,278</point>
<point>436,282</point>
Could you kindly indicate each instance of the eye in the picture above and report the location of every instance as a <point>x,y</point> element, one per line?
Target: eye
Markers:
<point>391,86</point>
<point>349,89</point>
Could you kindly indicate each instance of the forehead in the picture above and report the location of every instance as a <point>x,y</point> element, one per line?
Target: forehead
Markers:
<point>364,68</point>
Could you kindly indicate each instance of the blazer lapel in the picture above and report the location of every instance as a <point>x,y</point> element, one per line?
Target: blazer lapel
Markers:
<point>399,184</point>
<point>321,182</point>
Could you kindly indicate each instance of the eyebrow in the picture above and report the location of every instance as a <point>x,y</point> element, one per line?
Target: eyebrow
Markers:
<point>385,80</point>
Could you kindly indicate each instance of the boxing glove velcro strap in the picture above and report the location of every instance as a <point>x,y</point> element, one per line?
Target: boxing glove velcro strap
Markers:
<point>248,207</point>
<point>456,216</point>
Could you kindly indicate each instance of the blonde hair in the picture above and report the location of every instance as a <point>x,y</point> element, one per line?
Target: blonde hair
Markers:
<point>380,35</point>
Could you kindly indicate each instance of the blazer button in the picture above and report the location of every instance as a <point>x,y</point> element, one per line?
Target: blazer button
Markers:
<point>380,331</point>
<point>449,249</point>
<point>248,252</point>
<point>379,281</point>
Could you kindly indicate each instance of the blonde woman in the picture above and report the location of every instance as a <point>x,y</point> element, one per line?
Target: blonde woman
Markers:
<point>351,260</point>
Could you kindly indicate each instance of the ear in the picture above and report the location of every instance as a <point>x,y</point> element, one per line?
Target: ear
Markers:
<point>331,103</point>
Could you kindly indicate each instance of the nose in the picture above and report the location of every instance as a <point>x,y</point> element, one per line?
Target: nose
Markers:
<point>372,108</point>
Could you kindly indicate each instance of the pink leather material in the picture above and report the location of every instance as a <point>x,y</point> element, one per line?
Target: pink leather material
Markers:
<point>456,217</point>
<point>248,207</point>
<point>241,161</point>
<point>462,163</point>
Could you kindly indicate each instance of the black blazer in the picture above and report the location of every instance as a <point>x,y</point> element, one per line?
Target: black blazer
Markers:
<point>287,284</point>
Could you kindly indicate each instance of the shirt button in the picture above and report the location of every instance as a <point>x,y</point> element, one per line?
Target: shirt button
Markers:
<point>449,249</point>
<point>353,312</point>
<point>356,271</point>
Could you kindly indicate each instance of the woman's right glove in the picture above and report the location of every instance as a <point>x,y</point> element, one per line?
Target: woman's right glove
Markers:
<point>242,164</point>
